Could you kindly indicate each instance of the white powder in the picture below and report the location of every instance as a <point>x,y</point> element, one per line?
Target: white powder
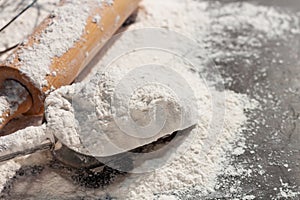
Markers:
<point>249,197</point>
<point>23,140</point>
<point>286,191</point>
<point>97,19</point>
<point>108,2</point>
<point>59,107</point>
<point>67,27</point>
<point>98,94</point>
<point>11,95</point>
<point>7,171</point>
<point>26,22</point>
<point>276,24</point>
<point>4,107</point>
<point>189,166</point>
<point>192,166</point>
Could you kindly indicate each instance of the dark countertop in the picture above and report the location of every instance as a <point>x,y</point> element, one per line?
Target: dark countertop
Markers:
<point>276,143</point>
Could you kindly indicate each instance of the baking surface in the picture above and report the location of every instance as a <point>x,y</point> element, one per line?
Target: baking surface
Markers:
<point>276,142</point>
<point>272,151</point>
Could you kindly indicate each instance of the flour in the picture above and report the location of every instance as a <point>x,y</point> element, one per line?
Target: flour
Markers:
<point>59,99</point>
<point>97,19</point>
<point>11,95</point>
<point>4,107</point>
<point>210,28</point>
<point>23,140</point>
<point>190,165</point>
<point>285,191</point>
<point>7,171</point>
<point>98,93</point>
<point>26,22</point>
<point>66,28</point>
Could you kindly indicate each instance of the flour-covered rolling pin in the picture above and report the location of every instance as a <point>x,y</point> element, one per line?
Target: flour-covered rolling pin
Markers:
<point>57,52</point>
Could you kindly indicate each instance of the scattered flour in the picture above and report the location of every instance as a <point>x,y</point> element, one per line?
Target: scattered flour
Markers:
<point>188,167</point>
<point>23,140</point>
<point>11,95</point>
<point>249,197</point>
<point>67,27</point>
<point>4,107</point>
<point>286,191</point>
<point>7,171</point>
<point>191,166</point>
<point>26,22</point>
<point>97,19</point>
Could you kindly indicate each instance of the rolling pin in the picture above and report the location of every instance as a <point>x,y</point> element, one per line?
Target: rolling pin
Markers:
<point>104,19</point>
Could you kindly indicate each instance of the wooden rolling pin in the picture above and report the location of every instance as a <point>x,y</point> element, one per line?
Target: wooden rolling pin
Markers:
<point>103,20</point>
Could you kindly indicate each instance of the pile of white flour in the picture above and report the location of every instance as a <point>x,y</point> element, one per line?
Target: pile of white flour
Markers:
<point>190,165</point>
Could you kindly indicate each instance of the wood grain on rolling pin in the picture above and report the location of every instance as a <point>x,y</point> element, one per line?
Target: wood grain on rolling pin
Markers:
<point>72,62</point>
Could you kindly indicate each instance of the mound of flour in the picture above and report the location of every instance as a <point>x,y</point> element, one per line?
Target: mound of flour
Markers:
<point>101,103</point>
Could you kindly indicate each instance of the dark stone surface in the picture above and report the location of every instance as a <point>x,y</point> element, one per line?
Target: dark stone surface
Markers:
<point>274,80</point>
